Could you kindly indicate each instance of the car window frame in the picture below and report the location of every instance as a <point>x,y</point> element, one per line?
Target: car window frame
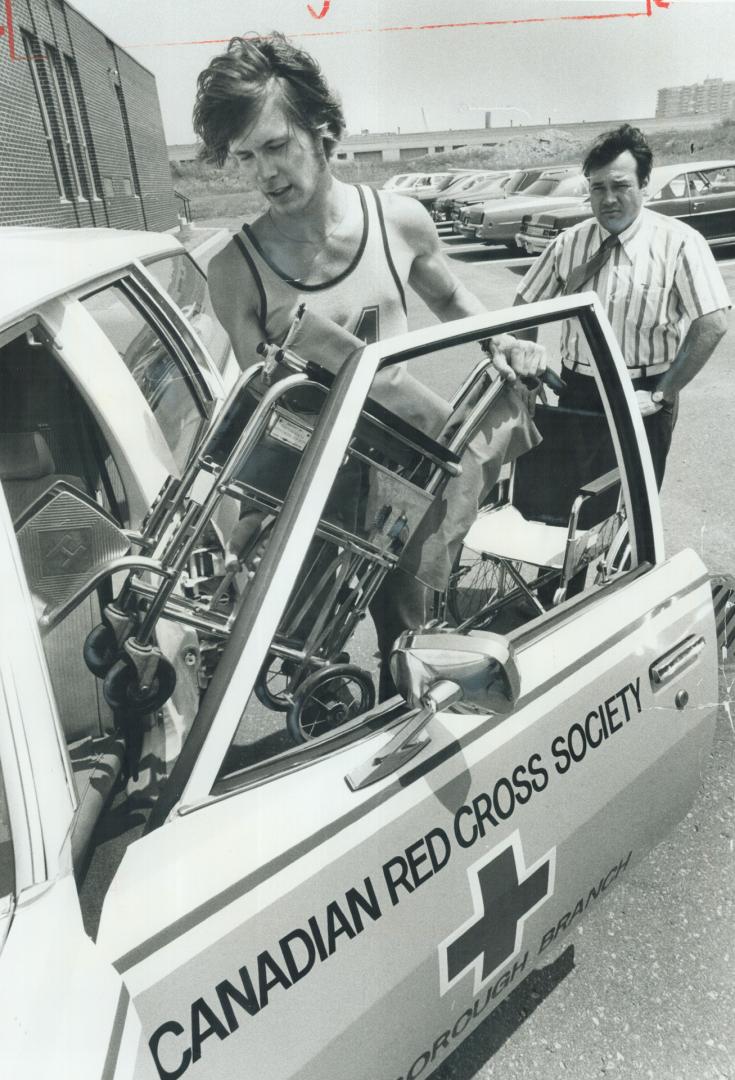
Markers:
<point>170,323</point>
<point>710,188</point>
<point>37,773</point>
<point>695,192</point>
<point>686,194</point>
<point>134,288</point>
<point>194,779</point>
<point>212,373</point>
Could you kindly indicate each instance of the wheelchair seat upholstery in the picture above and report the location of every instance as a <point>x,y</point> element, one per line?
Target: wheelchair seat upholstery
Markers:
<point>507,534</point>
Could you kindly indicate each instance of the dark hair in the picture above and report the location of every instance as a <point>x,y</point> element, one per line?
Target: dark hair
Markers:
<point>231,92</point>
<point>611,144</point>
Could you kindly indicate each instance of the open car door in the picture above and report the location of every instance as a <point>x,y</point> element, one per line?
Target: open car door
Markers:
<point>355,905</point>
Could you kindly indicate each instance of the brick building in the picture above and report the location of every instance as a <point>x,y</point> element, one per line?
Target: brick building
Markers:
<point>81,136</point>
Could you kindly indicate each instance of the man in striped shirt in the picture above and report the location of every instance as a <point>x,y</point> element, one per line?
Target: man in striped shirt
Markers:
<point>656,277</point>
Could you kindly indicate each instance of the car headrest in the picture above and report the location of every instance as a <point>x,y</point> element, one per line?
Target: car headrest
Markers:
<point>24,455</point>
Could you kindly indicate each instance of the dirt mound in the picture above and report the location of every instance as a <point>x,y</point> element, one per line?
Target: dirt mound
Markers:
<point>535,148</point>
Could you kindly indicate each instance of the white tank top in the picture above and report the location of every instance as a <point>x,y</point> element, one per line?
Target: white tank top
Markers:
<point>367,298</point>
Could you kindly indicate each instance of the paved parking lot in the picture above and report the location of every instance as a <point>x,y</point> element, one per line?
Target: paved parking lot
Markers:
<point>643,988</point>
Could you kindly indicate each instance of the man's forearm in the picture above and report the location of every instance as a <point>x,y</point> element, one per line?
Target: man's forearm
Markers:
<point>700,342</point>
<point>458,305</point>
<point>526,335</point>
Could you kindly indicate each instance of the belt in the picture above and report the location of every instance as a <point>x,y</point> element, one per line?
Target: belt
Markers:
<point>634,372</point>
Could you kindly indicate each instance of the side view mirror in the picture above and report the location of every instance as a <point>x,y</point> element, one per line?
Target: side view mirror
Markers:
<point>434,670</point>
<point>480,663</point>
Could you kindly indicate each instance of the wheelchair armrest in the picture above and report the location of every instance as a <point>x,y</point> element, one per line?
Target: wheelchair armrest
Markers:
<point>601,484</point>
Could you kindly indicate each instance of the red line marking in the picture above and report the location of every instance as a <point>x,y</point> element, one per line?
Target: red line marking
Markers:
<point>650,4</point>
<point>11,35</point>
<point>322,13</point>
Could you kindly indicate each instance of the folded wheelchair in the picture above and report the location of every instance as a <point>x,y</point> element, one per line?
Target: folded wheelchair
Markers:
<point>175,568</point>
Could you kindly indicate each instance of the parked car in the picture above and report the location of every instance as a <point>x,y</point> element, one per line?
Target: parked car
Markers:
<point>442,206</point>
<point>403,180</point>
<point>492,188</point>
<point>397,875</point>
<point>502,220</point>
<point>701,193</point>
<point>427,192</point>
<point>500,186</point>
<point>471,212</point>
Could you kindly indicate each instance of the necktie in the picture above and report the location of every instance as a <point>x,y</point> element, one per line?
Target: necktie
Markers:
<point>579,275</point>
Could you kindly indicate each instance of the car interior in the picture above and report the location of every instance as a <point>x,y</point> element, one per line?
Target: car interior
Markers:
<point>48,435</point>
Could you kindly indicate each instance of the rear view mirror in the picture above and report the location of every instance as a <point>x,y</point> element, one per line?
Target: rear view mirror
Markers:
<point>68,543</point>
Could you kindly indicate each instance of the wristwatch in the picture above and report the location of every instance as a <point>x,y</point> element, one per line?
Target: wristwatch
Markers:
<point>657,397</point>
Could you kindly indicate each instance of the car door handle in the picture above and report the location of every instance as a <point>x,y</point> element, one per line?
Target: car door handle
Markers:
<point>675,661</point>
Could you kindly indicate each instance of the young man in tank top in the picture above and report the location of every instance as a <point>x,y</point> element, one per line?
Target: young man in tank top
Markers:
<point>345,251</point>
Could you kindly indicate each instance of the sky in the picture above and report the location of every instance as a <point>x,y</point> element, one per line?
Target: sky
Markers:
<point>417,64</point>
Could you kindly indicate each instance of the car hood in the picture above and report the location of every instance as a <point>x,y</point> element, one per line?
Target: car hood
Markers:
<point>515,208</point>
<point>563,216</point>
<point>477,197</point>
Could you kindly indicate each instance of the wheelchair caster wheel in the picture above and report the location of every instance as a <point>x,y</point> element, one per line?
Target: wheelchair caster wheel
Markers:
<point>100,649</point>
<point>327,699</point>
<point>122,690</point>
<point>274,683</point>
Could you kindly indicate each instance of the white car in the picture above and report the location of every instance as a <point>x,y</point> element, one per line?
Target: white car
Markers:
<point>357,903</point>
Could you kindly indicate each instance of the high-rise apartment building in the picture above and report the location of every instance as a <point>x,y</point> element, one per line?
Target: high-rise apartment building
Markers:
<point>713,97</point>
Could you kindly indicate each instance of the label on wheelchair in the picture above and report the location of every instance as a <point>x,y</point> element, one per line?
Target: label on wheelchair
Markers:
<point>289,434</point>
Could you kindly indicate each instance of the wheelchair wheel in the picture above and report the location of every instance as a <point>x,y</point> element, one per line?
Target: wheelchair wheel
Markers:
<point>327,699</point>
<point>476,580</point>
<point>100,650</point>
<point>618,557</point>
<point>273,687</point>
<point>122,691</point>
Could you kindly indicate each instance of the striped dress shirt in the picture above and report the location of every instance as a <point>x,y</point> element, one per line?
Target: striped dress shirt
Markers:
<point>659,278</point>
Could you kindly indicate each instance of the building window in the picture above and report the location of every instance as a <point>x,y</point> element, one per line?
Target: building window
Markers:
<point>69,126</point>
<point>65,120</point>
<point>79,110</point>
<point>128,138</point>
<point>49,114</point>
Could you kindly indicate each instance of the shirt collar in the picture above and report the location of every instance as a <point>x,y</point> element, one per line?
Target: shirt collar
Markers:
<point>628,238</point>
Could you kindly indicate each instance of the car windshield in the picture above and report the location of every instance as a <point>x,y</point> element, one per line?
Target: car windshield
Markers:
<point>463,184</point>
<point>545,185</point>
<point>441,180</point>
<point>477,181</point>
<point>489,190</point>
<point>518,181</point>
